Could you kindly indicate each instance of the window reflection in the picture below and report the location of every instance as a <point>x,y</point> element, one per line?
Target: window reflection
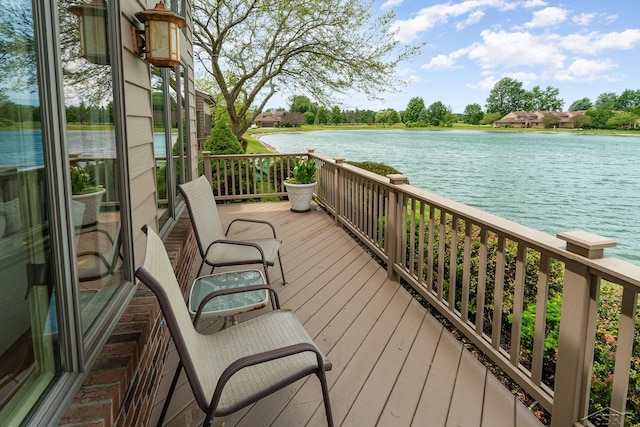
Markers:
<point>29,355</point>
<point>93,168</point>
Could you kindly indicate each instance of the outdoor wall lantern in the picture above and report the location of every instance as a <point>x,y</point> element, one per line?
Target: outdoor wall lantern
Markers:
<point>94,37</point>
<point>159,45</point>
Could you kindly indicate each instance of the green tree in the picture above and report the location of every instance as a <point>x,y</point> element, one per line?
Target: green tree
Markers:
<point>253,49</point>
<point>301,104</point>
<point>415,106</point>
<point>625,119</point>
<point>548,100</point>
<point>550,121</point>
<point>368,116</point>
<point>222,140</point>
<point>489,118</point>
<point>423,118</point>
<point>450,119</point>
<point>581,121</point>
<point>507,95</point>
<point>321,116</point>
<point>393,117</point>
<point>336,115</point>
<point>309,116</point>
<point>437,112</point>
<point>599,117</point>
<point>606,101</point>
<point>583,104</point>
<point>628,100</point>
<point>473,114</point>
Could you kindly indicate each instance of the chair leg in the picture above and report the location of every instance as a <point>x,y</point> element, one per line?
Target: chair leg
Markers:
<point>284,282</point>
<point>325,396</point>
<point>266,273</point>
<point>167,400</point>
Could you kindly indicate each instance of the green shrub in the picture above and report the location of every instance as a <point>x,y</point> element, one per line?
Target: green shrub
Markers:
<point>375,167</point>
<point>222,140</point>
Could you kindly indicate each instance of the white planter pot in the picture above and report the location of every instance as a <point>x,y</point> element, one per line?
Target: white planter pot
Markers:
<point>300,196</point>
<point>91,206</point>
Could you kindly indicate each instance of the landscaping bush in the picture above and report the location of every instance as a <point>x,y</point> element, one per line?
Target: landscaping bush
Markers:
<point>222,140</point>
<point>375,167</point>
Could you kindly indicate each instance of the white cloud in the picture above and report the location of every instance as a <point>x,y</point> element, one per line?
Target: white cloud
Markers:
<point>412,79</point>
<point>440,62</point>
<point>610,19</point>
<point>391,3</point>
<point>473,18</point>
<point>534,3</point>
<point>585,70</point>
<point>521,76</point>
<point>407,30</point>
<point>547,17</point>
<point>517,49</point>
<point>595,42</point>
<point>485,84</point>
<point>583,18</point>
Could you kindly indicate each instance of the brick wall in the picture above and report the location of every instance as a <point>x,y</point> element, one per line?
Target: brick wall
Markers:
<point>122,384</point>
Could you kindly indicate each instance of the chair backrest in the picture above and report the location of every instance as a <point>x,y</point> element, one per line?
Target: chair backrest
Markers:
<point>158,275</point>
<point>203,212</point>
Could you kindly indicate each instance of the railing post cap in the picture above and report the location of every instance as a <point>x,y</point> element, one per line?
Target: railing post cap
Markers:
<point>206,152</point>
<point>311,150</point>
<point>586,244</point>
<point>339,160</point>
<point>396,178</point>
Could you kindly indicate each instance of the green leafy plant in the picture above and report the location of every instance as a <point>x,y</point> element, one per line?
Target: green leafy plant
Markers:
<point>82,181</point>
<point>303,173</point>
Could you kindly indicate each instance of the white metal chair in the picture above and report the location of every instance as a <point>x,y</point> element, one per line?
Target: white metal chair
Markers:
<point>214,246</point>
<point>233,367</point>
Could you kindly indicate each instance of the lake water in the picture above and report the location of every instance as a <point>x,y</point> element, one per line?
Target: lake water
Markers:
<point>548,181</point>
<point>24,147</point>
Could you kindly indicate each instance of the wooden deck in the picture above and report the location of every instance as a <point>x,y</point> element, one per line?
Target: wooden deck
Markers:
<point>393,363</point>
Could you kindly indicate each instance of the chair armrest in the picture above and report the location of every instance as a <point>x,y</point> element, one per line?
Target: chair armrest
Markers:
<point>256,359</point>
<point>255,221</point>
<point>229,291</point>
<point>237,243</point>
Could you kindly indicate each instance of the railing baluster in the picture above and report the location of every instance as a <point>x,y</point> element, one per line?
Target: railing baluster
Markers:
<point>623,352</point>
<point>518,302</point>
<point>498,292</point>
<point>542,294</point>
<point>430,247</point>
<point>466,272</point>
<point>482,280</point>
<point>420,272</point>
<point>442,236</point>
<point>453,262</point>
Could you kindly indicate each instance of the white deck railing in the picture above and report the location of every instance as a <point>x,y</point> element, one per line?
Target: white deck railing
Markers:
<point>455,257</point>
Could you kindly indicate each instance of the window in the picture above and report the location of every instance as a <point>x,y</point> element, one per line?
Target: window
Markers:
<point>91,142</point>
<point>29,352</point>
<point>170,131</point>
<point>62,262</point>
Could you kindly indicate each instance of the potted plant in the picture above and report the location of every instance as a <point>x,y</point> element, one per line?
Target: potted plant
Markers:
<point>84,190</point>
<point>301,184</point>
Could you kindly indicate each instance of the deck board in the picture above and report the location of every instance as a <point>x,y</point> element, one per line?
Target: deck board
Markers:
<point>393,363</point>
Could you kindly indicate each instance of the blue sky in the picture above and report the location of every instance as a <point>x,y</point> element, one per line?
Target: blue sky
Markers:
<point>581,47</point>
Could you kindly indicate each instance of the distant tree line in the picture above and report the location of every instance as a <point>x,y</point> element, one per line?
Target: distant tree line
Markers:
<point>609,111</point>
<point>12,114</point>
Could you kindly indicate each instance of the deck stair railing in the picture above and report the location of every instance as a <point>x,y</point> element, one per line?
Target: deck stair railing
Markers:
<point>485,274</point>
